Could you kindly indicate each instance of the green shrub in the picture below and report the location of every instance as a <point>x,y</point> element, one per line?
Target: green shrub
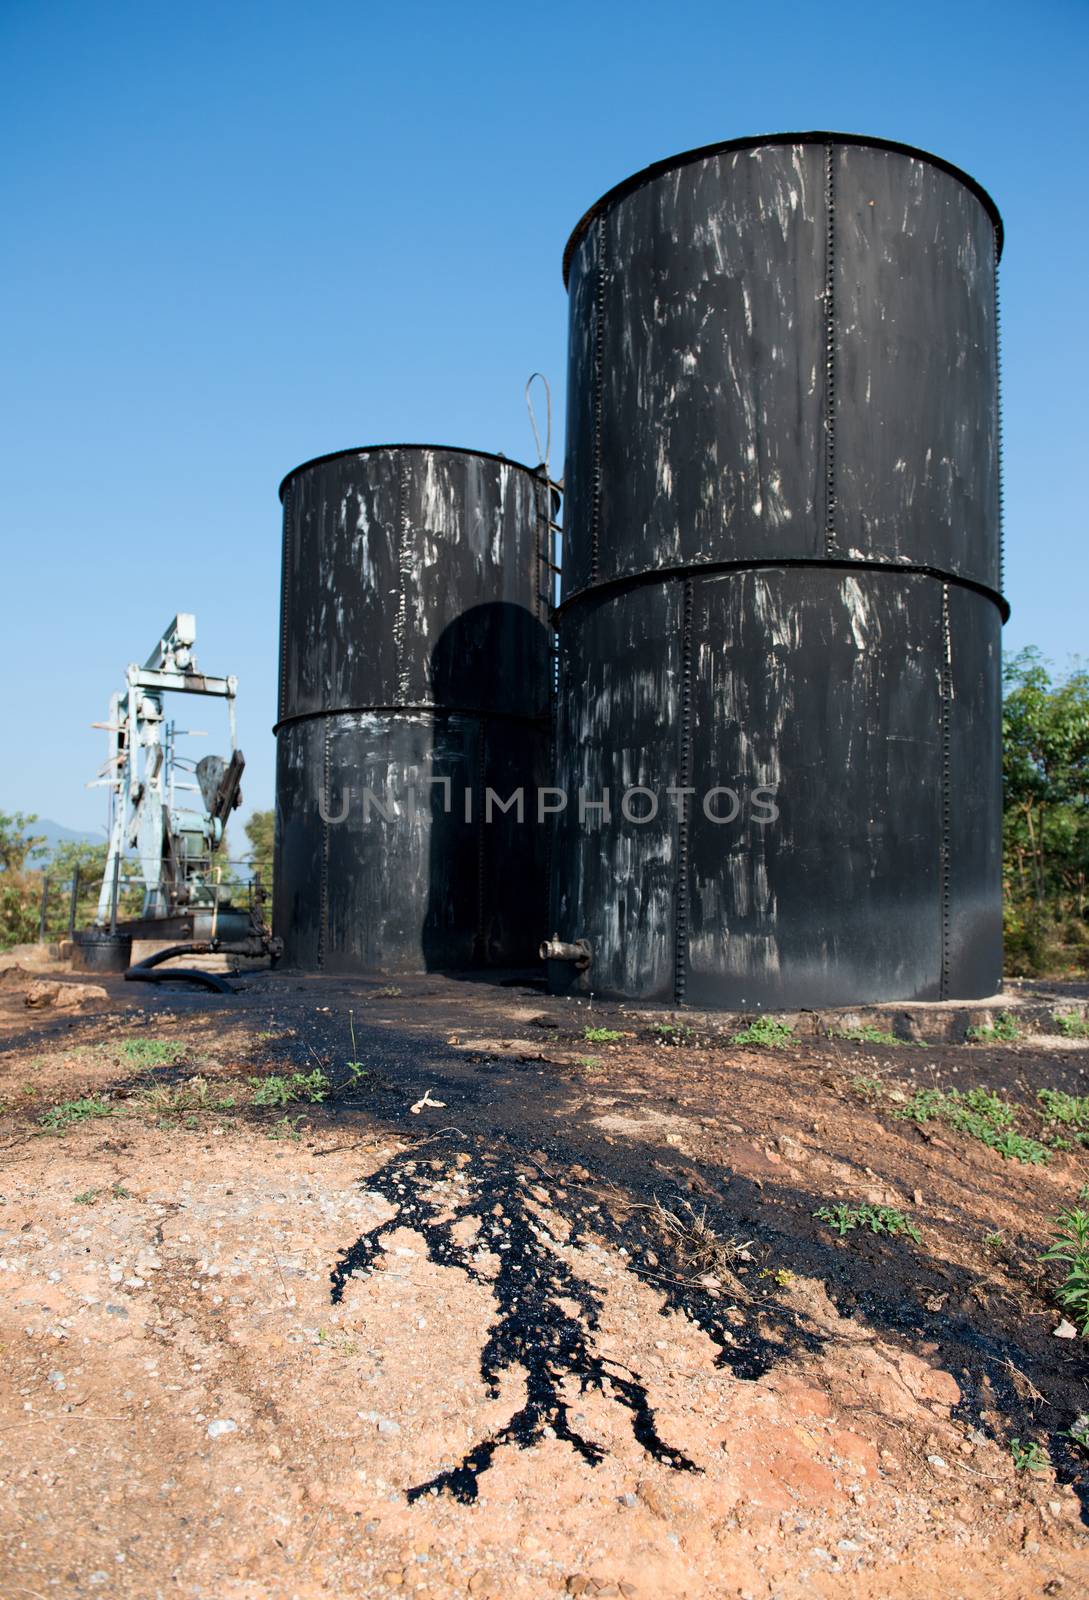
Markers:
<point>1070,1246</point>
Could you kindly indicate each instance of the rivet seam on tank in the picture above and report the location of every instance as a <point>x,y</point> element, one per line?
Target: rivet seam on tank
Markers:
<point>998,425</point>
<point>541,496</point>
<point>946,800</point>
<point>285,589</point>
<point>830,350</point>
<point>323,887</point>
<point>599,396</point>
<point>403,569</point>
<point>680,947</point>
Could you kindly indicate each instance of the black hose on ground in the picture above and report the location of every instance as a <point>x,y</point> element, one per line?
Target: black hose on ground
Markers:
<point>144,971</point>
<point>210,980</point>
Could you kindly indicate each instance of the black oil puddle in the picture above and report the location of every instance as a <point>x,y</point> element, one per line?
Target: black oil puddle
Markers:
<point>534,1330</point>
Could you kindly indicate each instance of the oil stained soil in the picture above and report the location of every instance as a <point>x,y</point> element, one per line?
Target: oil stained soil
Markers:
<point>511,1309</point>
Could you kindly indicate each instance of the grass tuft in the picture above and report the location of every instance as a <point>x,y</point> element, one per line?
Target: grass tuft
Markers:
<point>766,1031</point>
<point>1003,1030</point>
<point>151,1052</point>
<point>59,1118</point>
<point>870,1035</point>
<point>179,1099</point>
<point>285,1090</point>
<point>695,1241</point>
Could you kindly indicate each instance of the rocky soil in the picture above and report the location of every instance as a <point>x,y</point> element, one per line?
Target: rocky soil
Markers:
<point>513,1311</point>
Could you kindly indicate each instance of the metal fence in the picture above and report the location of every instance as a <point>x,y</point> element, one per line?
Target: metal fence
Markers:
<point>71,901</point>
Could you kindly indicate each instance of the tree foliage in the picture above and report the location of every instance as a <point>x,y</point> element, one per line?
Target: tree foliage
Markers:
<point>17,846</point>
<point>1045,771</point>
<point>261,833</point>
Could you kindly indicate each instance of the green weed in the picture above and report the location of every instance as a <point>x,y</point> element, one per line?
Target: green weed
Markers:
<point>1079,1431</point>
<point>1070,1246</point>
<point>279,1090</point>
<point>1029,1457</point>
<point>589,1061</point>
<point>869,1035</point>
<point>356,1068</point>
<point>868,1088</point>
<point>89,1197</point>
<point>843,1219</point>
<point>1071,1025</point>
<point>672,1033</point>
<point>1003,1030</point>
<point>601,1035</point>
<point>782,1276</point>
<point>766,1031</point>
<point>979,1113</point>
<point>58,1119</point>
<point>1070,1109</point>
<point>341,1343</point>
<point>151,1052</point>
<point>179,1099</point>
<point>1014,1146</point>
<point>287,1128</point>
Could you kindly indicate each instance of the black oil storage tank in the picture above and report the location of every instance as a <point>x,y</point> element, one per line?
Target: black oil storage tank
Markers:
<point>414,677</point>
<point>780,630</point>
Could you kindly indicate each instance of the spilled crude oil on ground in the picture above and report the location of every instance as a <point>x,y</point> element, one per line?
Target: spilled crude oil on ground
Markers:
<point>511,1311</point>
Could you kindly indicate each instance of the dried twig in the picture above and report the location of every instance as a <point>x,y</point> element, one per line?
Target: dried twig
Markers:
<point>310,1536</point>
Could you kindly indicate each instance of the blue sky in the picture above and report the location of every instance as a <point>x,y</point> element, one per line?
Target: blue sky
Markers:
<point>239,235</point>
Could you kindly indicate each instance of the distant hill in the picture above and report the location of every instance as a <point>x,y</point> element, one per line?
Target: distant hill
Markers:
<point>54,833</point>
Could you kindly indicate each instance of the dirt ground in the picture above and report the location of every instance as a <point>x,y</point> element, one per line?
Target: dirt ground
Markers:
<point>511,1312</point>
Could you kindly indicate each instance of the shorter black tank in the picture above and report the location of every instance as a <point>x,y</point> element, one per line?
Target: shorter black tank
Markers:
<point>414,678</point>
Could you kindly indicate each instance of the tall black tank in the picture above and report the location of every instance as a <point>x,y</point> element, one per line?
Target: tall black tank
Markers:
<point>782,577</point>
<point>414,676</point>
